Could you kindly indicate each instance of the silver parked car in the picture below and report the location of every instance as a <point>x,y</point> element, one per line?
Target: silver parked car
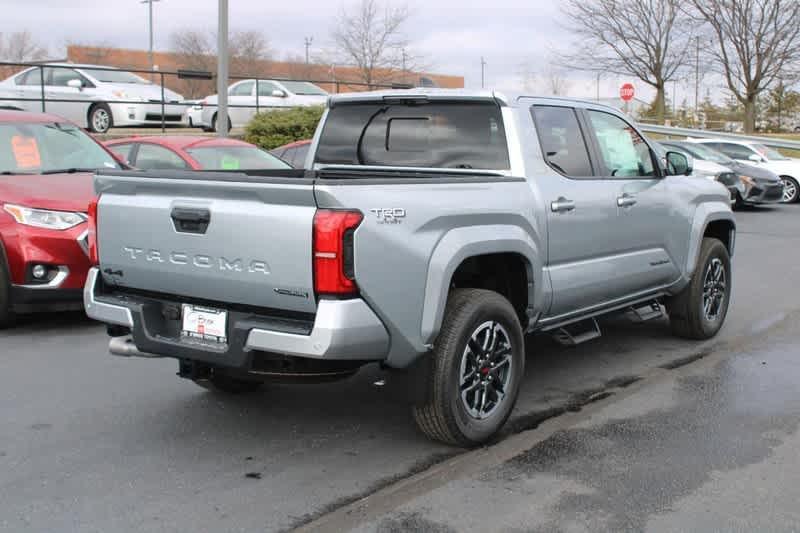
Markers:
<point>96,99</point>
<point>271,94</point>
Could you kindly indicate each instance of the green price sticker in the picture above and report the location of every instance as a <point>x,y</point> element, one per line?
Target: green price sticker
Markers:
<point>229,163</point>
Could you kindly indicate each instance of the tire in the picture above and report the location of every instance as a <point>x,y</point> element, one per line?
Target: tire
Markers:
<point>687,314</point>
<point>6,314</point>
<point>214,123</point>
<point>791,190</point>
<point>737,202</point>
<point>224,383</point>
<point>445,416</point>
<point>100,118</point>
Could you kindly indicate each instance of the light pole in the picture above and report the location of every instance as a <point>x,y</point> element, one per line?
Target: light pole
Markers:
<point>222,69</point>
<point>308,41</point>
<point>150,26</point>
<point>483,70</point>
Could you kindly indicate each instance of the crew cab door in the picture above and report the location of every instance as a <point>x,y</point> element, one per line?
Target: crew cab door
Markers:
<point>57,88</point>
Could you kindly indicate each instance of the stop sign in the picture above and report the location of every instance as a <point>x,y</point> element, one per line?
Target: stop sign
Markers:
<point>626,92</point>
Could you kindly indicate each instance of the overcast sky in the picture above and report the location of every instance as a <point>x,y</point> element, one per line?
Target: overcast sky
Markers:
<point>514,36</point>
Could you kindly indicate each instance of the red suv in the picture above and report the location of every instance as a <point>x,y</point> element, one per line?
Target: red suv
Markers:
<point>46,166</point>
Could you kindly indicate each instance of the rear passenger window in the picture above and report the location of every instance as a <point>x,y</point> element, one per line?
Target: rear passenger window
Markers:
<point>427,135</point>
<point>562,141</point>
<point>300,155</point>
<point>734,151</point>
<point>625,153</point>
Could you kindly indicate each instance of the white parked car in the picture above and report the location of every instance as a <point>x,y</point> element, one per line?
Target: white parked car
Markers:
<point>271,94</point>
<point>194,113</point>
<point>753,153</point>
<point>102,98</point>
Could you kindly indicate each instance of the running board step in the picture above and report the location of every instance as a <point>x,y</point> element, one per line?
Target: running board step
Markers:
<point>647,311</point>
<point>577,333</point>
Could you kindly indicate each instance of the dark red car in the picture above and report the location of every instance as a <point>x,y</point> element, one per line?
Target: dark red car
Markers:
<point>46,166</point>
<point>184,152</point>
<point>293,153</point>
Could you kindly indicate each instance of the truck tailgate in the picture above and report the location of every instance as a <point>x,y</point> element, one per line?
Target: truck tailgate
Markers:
<point>221,237</point>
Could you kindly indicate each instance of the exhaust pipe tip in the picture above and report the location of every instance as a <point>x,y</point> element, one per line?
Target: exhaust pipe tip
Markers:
<point>124,347</point>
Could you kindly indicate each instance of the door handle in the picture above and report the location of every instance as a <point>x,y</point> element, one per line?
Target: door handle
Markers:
<point>626,200</point>
<point>562,205</point>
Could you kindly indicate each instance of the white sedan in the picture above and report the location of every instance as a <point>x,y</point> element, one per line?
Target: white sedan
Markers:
<point>95,99</point>
<point>272,94</point>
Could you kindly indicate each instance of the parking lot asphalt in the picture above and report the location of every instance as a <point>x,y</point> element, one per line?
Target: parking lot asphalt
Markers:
<point>90,442</point>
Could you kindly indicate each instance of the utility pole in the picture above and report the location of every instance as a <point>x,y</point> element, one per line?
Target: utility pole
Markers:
<point>598,86</point>
<point>308,41</point>
<point>483,72</point>
<point>403,57</point>
<point>150,26</point>
<point>697,78</point>
<point>222,69</point>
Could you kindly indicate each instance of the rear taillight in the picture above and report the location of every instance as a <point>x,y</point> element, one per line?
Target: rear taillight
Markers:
<point>94,255</point>
<point>334,264</point>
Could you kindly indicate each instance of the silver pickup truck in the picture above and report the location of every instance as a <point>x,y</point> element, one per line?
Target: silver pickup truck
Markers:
<point>430,231</point>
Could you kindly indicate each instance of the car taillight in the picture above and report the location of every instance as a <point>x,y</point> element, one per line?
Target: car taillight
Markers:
<point>94,255</point>
<point>334,264</point>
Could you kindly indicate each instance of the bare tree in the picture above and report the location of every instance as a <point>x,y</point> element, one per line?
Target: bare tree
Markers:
<point>757,45</point>
<point>647,39</point>
<point>557,84</point>
<point>371,37</point>
<point>195,51</point>
<point>19,47</point>
<point>249,51</point>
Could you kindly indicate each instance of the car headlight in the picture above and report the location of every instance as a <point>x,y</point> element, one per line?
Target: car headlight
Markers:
<point>43,218</point>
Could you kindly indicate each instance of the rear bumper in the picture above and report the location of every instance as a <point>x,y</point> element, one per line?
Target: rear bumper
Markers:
<point>341,330</point>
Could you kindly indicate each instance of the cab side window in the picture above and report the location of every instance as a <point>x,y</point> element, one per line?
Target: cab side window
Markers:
<point>265,88</point>
<point>152,157</point>
<point>562,141</point>
<point>32,77</point>
<point>623,151</point>
<point>734,151</point>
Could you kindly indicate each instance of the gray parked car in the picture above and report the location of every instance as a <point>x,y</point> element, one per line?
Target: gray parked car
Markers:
<point>435,229</point>
<point>753,185</point>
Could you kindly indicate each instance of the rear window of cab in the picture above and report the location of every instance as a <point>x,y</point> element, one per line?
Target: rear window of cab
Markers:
<point>425,135</point>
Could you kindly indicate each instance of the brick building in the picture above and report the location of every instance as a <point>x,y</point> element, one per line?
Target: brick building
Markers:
<point>332,78</point>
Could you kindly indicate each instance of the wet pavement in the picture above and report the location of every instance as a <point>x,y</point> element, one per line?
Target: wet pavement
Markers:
<point>91,442</point>
<point>713,446</point>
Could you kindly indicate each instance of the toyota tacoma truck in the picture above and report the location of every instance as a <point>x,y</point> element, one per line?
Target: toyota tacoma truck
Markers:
<point>430,231</point>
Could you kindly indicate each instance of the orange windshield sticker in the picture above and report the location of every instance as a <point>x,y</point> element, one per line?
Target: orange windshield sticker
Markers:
<point>26,152</point>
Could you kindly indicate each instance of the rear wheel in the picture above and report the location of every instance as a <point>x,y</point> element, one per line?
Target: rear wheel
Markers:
<point>214,123</point>
<point>699,311</point>
<point>477,368</point>
<point>791,190</point>
<point>100,118</point>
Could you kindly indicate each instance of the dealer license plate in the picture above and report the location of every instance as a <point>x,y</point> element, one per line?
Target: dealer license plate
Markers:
<point>204,323</point>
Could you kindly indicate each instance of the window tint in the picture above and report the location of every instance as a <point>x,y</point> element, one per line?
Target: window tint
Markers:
<point>265,88</point>
<point>623,150</point>
<point>60,76</point>
<point>32,77</point>
<point>123,150</point>
<point>562,141</point>
<point>734,151</point>
<point>429,135</point>
<point>243,89</point>
<point>152,157</point>
<point>300,154</point>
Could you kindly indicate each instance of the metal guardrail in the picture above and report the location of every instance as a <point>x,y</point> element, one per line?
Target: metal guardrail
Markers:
<point>43,99</point>
<point>773,142</point>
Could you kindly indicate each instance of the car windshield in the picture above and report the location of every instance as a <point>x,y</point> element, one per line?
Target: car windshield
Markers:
<point>769,153</point>
<point>49,148</point>
<point>303,87</point>
<point>705,153</point>
<point>235,158</point>
<point>117,76</point>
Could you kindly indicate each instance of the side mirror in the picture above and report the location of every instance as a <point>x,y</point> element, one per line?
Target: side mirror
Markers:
<point>756,158</point>
<point>75,84</point>
<point>277,93</point>
<point>679,164</point>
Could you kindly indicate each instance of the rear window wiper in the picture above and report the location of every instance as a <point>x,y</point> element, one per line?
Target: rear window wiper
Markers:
<point>71,170</point>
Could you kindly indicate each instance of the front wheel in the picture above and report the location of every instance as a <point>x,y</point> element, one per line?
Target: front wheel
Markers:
<point>791,190</point>
<point>699,310</point>
<point>100,118</point>
<point>476,371</point>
